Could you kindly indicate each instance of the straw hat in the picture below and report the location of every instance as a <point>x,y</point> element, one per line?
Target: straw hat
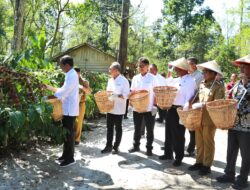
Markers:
<point>242,60</point>
<point>211,65</point>
<point>180,63</point>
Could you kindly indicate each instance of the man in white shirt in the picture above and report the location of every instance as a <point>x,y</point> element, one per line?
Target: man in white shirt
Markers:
<point>119,86</point>
<point>144,81</point>
<point>69,95</point>
<point>174,131</point>
<point>198,77</point>
<point>161,81</point>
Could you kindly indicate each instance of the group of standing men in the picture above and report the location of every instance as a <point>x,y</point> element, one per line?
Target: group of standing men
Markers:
<point>193,89</point>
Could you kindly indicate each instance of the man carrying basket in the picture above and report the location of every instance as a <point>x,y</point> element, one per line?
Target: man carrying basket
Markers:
<point>69,95</point>
<point>210,89</point>
<point>239,135</point>
<point>174,129</point>
<point>84,87</point>
<point>119,87</point>
<point>143,81</point>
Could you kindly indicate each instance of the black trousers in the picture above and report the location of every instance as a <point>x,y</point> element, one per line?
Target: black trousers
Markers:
<point>69,139</point>
<point>114,120</point>
<point>238,140</point>
<point>191,145</point>
<point>162,113</point>
<point>174,135</point>
<point>126,112</point>
<point>149,123</point>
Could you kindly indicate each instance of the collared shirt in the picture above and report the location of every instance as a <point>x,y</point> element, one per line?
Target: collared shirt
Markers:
<point>198,77</point>
<point>243,117</point>
<point>146,82</point>
<point>186,89</point>
<point>173,81</point>
<point>161,81</point>
<point>119,86</point>
<point>69,94</point>
<point>208,93</point>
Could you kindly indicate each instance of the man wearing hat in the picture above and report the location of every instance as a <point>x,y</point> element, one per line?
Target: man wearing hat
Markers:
<point>210,89</point>
<point>174,130</point>
<point>198,77</point>
<point>239,136</point>
<point>144,81</point>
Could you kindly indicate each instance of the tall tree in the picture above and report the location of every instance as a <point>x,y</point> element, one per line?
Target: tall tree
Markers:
<point>123,47</point>
<point>188,29</point>
<point>19,12</point>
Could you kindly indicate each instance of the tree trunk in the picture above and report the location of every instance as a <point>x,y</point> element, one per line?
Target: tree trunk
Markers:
<point>55,34</point>
<point>19,11</point>
<point>123,49</point>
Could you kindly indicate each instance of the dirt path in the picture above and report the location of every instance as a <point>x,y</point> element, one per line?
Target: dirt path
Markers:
<point>36,169</point>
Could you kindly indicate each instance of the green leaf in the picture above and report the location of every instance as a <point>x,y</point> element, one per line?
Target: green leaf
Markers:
<point>33,115</point>
<point>39,109</point>
<point>17,119</point>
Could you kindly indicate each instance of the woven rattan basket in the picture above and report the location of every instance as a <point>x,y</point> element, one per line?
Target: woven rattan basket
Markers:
<point>191,118</point>
<point>57,114</point>
<point>222,112</point>
<point>165,96</point>
<point>140,101</point>
<point>104,103</point>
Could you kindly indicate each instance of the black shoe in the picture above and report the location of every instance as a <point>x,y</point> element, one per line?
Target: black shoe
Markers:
<point>225,179</point>
<point>196,166</point>
<point>60,159</point>
<point>115,150</point>
<point>189,154</point>
<point>240,184</point>
<point>134,149</point>
<point>159,120</point>
<point>66,163</point>
<point>107,149</point>
<point>149,153</point>
<point>77,143</point>
<point>205,170</point>
<point>166,157</point>
<point>177,163</point>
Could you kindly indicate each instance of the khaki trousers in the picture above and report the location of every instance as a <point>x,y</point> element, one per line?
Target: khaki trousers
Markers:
<point>204,139</point>
<point>79,121</point>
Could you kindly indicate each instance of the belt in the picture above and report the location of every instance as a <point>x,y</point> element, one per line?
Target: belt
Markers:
<point>175,106</point>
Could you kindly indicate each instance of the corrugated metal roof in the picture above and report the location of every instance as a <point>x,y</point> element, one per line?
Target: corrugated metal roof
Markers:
<point>56,57</point>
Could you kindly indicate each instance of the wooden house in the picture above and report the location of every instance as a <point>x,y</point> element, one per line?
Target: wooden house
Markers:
<point>88,58</point>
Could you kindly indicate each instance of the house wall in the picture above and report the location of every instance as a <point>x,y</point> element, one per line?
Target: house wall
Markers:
<point>92,60</point>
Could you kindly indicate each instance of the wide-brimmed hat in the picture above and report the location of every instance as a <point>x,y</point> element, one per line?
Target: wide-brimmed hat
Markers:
<point>180,63</point>
<point>243,60</point>
<point>211,65</point>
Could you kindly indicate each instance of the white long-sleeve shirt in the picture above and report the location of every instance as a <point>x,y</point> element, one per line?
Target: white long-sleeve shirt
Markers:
<point>186,90</point>
<point>198,77</point>
<point>69,94</point>
<point>146,82</point>
<point>119,86</point>
<point>161,81</point>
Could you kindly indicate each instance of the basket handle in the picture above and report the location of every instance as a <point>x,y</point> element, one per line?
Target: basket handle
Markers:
<point>198,93</point>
